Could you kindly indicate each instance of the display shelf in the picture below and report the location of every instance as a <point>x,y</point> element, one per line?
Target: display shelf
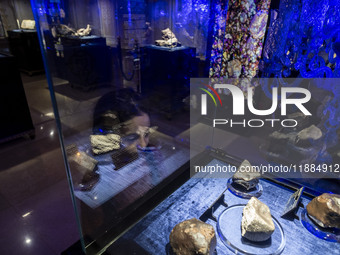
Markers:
<point>152,233</point>
<point>168,158</point>
<point>229,231</point>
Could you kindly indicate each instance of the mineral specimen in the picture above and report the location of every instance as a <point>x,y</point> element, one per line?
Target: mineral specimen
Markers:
<point>325,210</point>
<point>82,167</point>
<point>258,24</point>
<point>104,143</point>
<point>308,136</point>
<point>246,176</point>
<point>168,39</point>
<point>193,237</point>
<point>257,223</point>
<point>83,31</point>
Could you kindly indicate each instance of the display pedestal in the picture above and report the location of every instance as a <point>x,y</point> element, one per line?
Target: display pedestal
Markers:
<point>165,76</point>
<point>83,61</point>
<point>24,45</point>
<point>15,116</point>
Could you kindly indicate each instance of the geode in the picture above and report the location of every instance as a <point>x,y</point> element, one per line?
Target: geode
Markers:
<point>104,143</point>
<point>246,176</point>
<point>308,136</point>
<point>257,223</point>
<point>193,237</point>
<point>325,210</point>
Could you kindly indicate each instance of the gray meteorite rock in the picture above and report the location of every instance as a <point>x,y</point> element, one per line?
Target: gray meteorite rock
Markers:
<point>246,176</point>
<point>308,136</point>
<point>257,222</point>
<point>193,237</point>
<point>325,210</point>
<point>104,143</point>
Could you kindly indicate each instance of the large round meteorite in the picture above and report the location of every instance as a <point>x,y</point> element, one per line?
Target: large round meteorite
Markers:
<point>193,237</point>
<point>325,210</point>
<point>257,223</point>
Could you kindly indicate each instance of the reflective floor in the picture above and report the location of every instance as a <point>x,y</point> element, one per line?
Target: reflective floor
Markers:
<point>36,213</point>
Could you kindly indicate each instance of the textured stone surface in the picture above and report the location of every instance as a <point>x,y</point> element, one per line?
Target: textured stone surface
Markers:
<point>325,210</point>
<point>307,136</point>
<point>168,39</point>
<point>257,222</point>
<point>84,31</point>
<point>104,143</point>
<point>193,237</point>
<point>246,176</point>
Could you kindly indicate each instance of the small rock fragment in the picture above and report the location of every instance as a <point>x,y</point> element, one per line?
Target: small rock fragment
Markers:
<point>246,176</point>
<point>104,143</point>
<point>325,210</point>
<point>193,237</point>
<point>257,223</point>
<point>168,39</point>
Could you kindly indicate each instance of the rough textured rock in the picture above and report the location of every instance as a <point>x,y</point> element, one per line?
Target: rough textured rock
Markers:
<point>325,210</point>
<point>84,31</point>
<point>258,25</point>
<point>257,222</point>
<point>193,237</point>
<point>104,143</point>
<point>308,136</point>
<point>168,39</point>
<point>246,176</point>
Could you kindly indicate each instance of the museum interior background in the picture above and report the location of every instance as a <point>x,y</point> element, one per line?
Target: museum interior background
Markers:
<point>99,123</point>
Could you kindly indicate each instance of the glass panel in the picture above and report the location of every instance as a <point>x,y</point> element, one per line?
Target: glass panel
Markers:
<point>119,72</point>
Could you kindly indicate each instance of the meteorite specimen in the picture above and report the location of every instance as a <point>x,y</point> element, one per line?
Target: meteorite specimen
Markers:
<point>83,168</point>
<point>308,136</point>
<point>246,176</point>
<point>104,143</point>
<point>325,210</point>
<point>168,39</point>
<point>257,223</point>
<point>193,237</point>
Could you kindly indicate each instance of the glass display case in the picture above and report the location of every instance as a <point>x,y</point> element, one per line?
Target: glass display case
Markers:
<point>161,104</point>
